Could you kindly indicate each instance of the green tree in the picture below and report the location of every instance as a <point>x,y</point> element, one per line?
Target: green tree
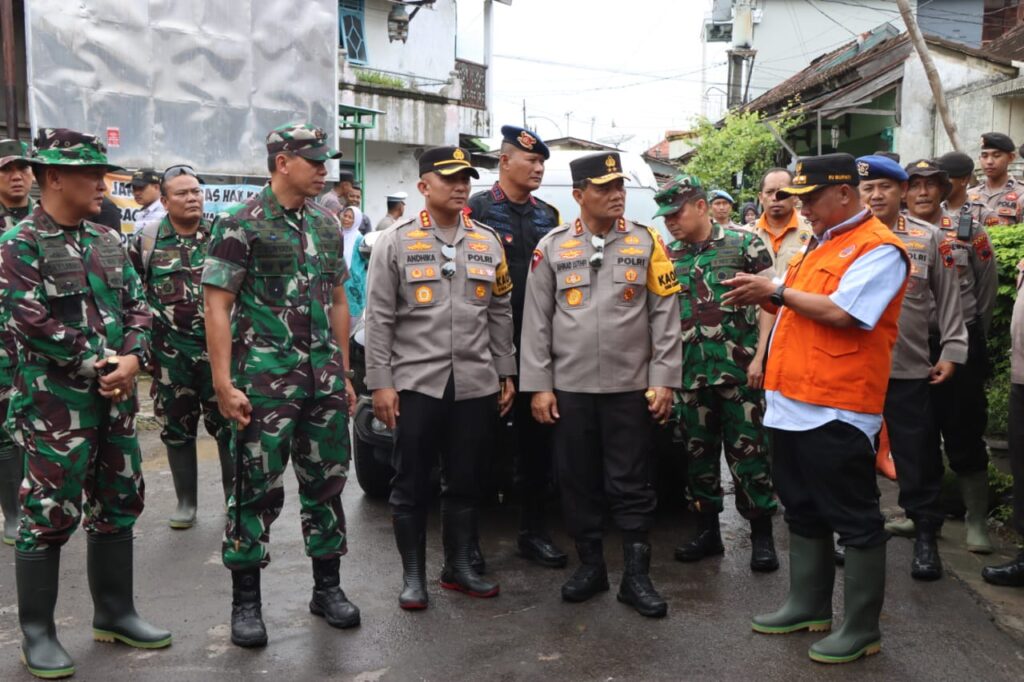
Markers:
<point>741,142</point>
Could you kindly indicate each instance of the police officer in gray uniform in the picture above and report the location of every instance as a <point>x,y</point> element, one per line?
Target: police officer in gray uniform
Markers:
<point>440,361</point>
<point>601,352</point>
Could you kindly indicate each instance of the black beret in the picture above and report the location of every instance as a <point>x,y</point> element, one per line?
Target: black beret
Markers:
<point>956,164</point>
<point>997,141</point>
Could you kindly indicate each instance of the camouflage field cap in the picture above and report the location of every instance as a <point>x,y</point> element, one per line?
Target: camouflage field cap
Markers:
<point>12,150</point>
<point>676,192</point>
<point>303,139</point>
<point>65,147</point>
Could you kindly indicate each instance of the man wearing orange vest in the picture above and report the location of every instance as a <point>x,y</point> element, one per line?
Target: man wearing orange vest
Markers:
<point>825,381</point>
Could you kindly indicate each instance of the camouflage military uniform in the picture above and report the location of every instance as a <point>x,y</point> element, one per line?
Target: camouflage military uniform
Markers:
<point>171,270</point>
<point>10,471</point>
<point>283,266</point>
<point>718,345</point>
<point>74,296</point>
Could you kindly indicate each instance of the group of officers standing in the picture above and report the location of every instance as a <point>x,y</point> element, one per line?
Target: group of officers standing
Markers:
<point>592,332</point>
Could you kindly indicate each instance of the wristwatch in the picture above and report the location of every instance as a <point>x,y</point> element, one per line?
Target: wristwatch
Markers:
<point>776,298</point>
<point>350,374</point>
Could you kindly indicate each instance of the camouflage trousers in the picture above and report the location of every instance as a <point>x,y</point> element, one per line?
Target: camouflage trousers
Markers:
<point>313,433</point>
<point>101,463</point>
<point>183,389</point>
<point>7,443</point>
<point>731,416</point>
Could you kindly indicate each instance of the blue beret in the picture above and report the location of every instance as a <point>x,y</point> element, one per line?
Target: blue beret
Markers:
<point>721,194</point>
<point>876,167</point>
<point>524,139</point>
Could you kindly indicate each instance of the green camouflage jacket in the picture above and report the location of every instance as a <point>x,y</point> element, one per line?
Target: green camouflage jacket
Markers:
<point>8,346</point>
<point>73,294</point>
<point>718,340</point>
<point>173,277</point>
<point>283,267</point>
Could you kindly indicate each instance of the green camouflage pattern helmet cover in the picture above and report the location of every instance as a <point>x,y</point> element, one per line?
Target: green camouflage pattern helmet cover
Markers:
<point>676,192</point>
<point>303,139</point>
<point>65,147</point>
<point>12,150</point>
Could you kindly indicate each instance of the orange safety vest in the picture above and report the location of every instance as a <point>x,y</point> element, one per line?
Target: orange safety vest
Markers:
<point>823,365</point>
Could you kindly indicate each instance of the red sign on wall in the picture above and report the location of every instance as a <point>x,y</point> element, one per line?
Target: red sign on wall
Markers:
<point>113,137</point>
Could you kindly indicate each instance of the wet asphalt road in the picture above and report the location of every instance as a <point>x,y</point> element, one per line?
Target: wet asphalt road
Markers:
<point>931,631</point>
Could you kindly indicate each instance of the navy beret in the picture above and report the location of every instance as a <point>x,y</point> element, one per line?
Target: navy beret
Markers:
<point>524,139</point>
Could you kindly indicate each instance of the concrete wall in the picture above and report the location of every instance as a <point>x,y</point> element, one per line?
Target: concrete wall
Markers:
<point>791,33</point>
<point>430,51</point>
<point>921,133</point>
<point>391,168</point>
<point>989,107</point>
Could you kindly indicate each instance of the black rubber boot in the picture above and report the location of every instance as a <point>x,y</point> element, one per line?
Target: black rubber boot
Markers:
<point>185,472</point>
<point>812,576</point>
<point>247,628</point>
<point>636,588</point>
<point>476,555</point>
<point>457,525</point>
<point>329,599</point>
<point>411,538</point>
<point>864,592</point>
<point>111,582</point>
<point>1010,574</point>
<point>591,576</point>
<point>763,558</point>
<point>708,541</point>
<point>37,576</point>
<point>533,542</point>
<point>227,469</point>
<point>926,564</point>
<point>11,473</point>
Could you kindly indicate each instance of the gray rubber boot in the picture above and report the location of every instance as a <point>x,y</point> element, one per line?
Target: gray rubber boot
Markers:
<point>812,574</point>
<point>975,491</point>
<point>11,473</point>
<point>111,570</point>
<point>37,576</point>
<point>864,593</point>
<point>184,471</point>
<point>227,469</point>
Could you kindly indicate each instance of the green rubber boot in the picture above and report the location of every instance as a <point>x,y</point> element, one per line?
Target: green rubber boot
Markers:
<point>185,472</point>
<point>975,491</point>
<point>111,570</point>
<point>227,469</point>
<point>37,576</point>
<point>812,573</point>
<point>11,473</point>
<point>864,593</point>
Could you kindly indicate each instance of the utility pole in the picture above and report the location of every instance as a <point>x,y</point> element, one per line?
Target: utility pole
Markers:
<point>567,115</point>
<point>593,120</point>
<point>524,113</point>
<point>930,71</point>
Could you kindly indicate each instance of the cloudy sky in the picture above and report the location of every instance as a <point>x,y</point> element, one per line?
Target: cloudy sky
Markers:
<point>624,73</point>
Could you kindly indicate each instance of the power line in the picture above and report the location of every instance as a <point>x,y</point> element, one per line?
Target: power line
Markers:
<point>826,15</point>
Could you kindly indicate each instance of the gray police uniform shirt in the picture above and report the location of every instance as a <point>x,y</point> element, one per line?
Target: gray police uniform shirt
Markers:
<point>422,327</point>
<point>610,329</point>
<point>975,261</point>
<point>1017,334</point>
<point>932,290</point>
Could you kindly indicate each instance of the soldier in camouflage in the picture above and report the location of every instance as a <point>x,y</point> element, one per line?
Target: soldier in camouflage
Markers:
<point>278,261</point>
<point>169,256</point>
<point>15,205</point>
<point>721,401</point>
<point>82,329</point>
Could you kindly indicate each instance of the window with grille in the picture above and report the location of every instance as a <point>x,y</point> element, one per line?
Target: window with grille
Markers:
<point>351,20</point>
